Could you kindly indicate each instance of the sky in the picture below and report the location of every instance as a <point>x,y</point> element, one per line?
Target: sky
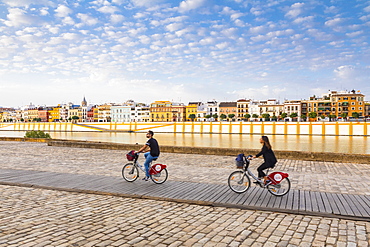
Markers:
<point>111,51</point>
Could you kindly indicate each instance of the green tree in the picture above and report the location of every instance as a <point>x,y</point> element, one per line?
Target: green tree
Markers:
<point>355,114</point>
<point>312,115</point>
<point>283,115</point>
<point>254,116</point>
<point>223,116</point>
<point>231,116</point>
<point>266,116</point>
<point>304,117</point>
<point>215,116</point>
<point>344,114</point>
<point>274,118</point>
<point>208,116</point>
<point>247,116</point>
<point>192,117</point>
<point>293,115</point>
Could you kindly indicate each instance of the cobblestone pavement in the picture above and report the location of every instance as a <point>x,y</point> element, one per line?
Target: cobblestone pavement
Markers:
<point>345,178</point>
<point>37,217</point>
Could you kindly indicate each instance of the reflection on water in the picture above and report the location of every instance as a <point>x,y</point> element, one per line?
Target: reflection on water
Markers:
<point>337,144</point>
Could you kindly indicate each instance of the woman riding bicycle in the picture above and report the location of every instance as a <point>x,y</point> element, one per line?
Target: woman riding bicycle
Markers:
<point>268,156</point>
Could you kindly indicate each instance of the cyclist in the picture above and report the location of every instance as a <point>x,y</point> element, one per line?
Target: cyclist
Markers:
<point>150,155</point>
<point>269,159</point>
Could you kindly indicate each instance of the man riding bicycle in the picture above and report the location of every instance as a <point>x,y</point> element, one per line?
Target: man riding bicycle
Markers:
<point>152,154</point>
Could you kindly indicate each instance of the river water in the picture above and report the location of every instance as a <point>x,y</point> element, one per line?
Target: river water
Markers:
<point>336,144</point>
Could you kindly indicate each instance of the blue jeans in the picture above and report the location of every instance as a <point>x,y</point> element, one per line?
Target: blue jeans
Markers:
<point>148,159</point>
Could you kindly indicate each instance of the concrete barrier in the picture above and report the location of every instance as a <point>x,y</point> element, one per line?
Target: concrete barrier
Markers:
<point>294,155</point>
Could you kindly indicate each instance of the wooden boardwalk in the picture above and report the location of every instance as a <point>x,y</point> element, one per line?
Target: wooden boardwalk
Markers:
<point>346,206</point>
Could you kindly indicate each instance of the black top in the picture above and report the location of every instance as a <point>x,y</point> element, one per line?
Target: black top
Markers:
<point>154,147</point>
<point>268,155</point>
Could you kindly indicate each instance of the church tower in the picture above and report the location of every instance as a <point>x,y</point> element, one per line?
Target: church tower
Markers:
<point>84,102</point>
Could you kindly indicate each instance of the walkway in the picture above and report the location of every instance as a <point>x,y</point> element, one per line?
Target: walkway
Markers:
<point>346,206</point>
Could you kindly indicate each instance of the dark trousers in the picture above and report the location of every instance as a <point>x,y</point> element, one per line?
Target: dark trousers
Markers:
<point>262,167</point>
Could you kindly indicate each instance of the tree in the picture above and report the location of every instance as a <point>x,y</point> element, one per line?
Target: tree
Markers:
<point>344,114</point>
<point>215,116</point>
<point>355,114</point>
<point>332,117</point>
<point>223,116</point>
<point>192,117</point>
<point>323,116</point>
<point>312,115</point>
<point>304,117</point>
<point>266,116</point>
<point>247,116</point>
<point>231,116</point>
<point>274,118</point>
<point>254,116</point>
<point>293,115</point>
<point>283,115</point>
<point>208,116</point>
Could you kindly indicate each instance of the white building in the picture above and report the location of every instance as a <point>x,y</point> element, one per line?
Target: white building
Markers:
<point>120,113</point>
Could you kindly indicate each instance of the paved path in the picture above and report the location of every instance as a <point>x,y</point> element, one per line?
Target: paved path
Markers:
<point>41,217</point>
<point>356,207</point>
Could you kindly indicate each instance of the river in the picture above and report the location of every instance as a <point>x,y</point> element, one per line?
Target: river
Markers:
<point>336,144</point>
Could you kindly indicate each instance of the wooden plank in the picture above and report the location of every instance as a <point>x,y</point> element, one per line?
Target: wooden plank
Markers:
<point>256,197</point>
<point>315,207</point>
<point>195,192</point>
<point>364,203</point>
<point>278,201</point>
<point>308,203</point>
<point>302,201</point>
<point>224,192</point>
<point>219,189</point>
<point>253,193</point>
<point>207,190</point>
<point>340,202</point>
<point>351,206</point>
<point>319,201</point>
<point>360,205</point>
<point>333,204</point>
<point>293,201</point>
<point>263,199</point>
<point>326,203</point>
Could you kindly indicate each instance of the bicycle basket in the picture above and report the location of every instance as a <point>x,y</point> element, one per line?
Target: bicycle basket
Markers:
<point>239,164</point>
<point>130,155</point>
<point>239,161</point>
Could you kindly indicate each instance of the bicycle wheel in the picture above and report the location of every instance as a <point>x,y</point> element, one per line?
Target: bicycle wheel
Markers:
<point>280,189</point>
<point>239,182</point>
<point>130,172</point>
<point>160,177</point>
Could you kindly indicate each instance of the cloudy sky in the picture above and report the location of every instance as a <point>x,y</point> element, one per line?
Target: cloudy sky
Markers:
<point>58,51</point>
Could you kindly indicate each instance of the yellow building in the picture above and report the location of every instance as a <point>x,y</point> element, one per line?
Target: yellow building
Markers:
<point>104,113</point>
<point>161,111</point>
<point>192,109</point>
<point>54,114</point>
<point>32,114</point>
<point>347,103</point>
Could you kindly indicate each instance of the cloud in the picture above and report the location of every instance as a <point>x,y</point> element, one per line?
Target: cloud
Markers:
<point>295,10</point>
<point>333,22</point>
<point>63,11</point>
<point>26,3</point>
<point>344,71</point>
<point>146,3</point>
<point>18,17</point>
<point>87,19</point>
<point>188,5</point>
<point>108,9</point>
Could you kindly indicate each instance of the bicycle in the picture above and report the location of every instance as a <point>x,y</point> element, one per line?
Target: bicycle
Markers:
<point>130,172</point>
<point>240,182</point>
